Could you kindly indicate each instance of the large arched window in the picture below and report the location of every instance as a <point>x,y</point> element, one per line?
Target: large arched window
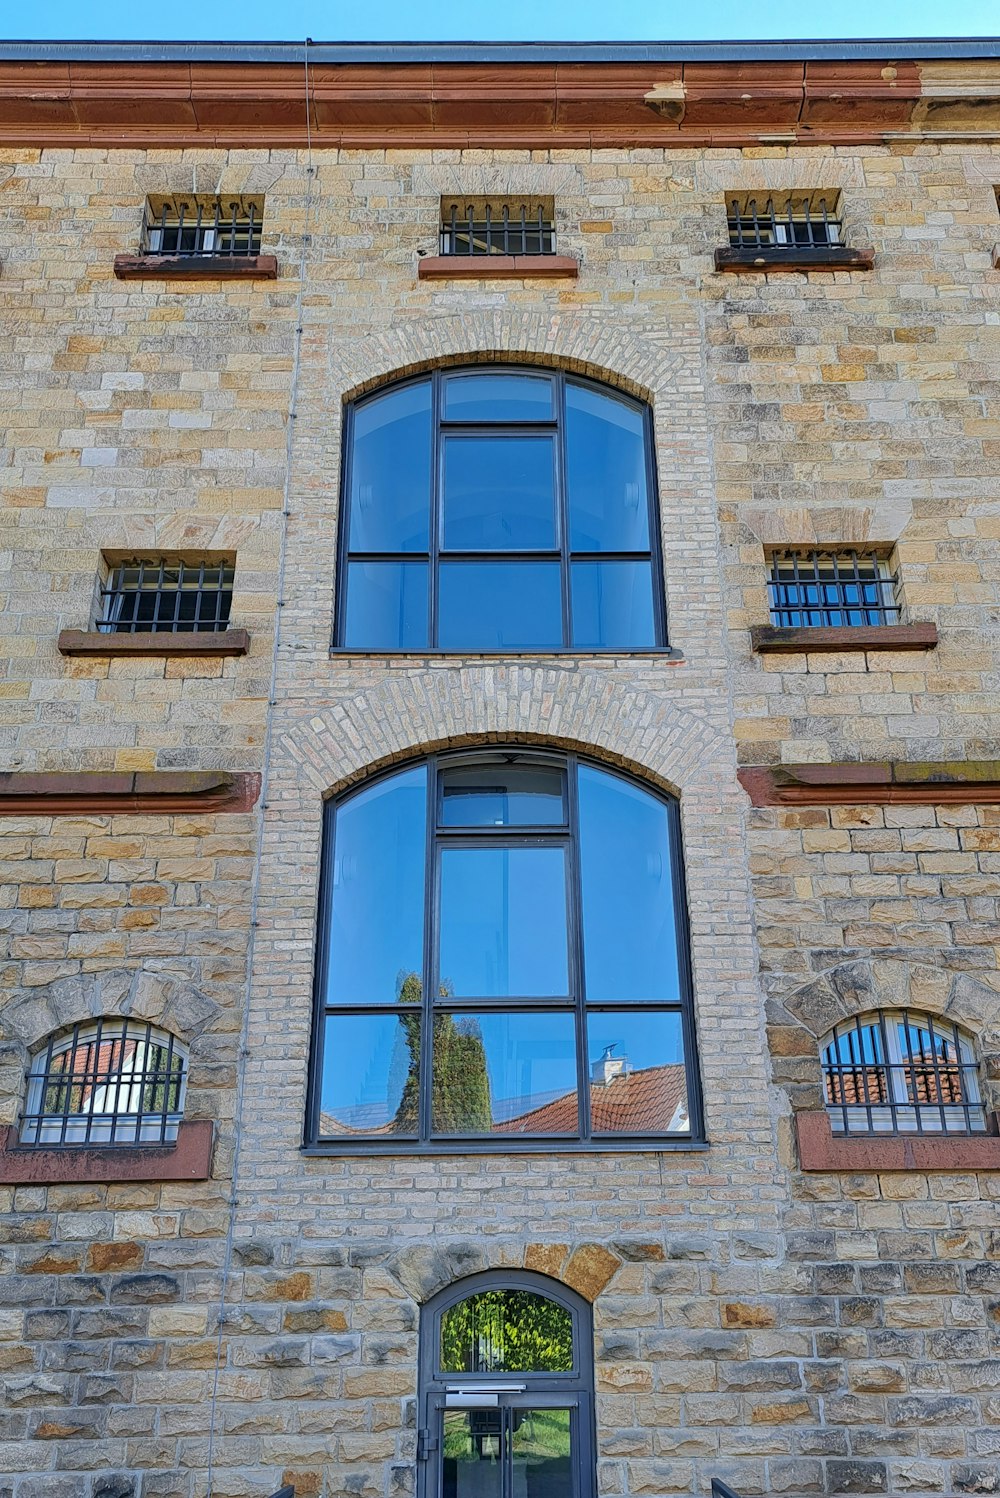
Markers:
<point>899,1071</point>
<point>498,509</point>
<point>506,1390</point>
<point>503,961</point>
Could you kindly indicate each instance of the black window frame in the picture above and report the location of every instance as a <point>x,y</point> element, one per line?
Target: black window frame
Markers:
<point>575,1004</point>
<point>166,592</point>
<point>561,554</point>
<point>792,571</point>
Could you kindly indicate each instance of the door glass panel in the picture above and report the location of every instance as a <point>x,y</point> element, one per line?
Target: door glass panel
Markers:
<point>499,494</point>
<point>499,606</point>
<point>370,1075</point>
<point>504,1074</point>
<point>629,934</point>
<point>498,795</point>
<point>377,912</point>
<point>612,604</point>
<point>471,1453</point>
<point>391,472</point>
<point>503,922</point>
<point>606,473</point>
<point>386,606</point>
<point>506,1331</point>
<point>489,395</point>
<point>638,1081</point>
<point>541,1454</point>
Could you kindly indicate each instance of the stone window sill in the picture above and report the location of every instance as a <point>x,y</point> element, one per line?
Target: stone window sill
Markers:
<point>745,261</point>
<point>154,642</point>
<point>196,267</point>
<point>769,639</point>
<point>93,792</point>
<point>892,783</point>
<point>189,1159</point>
<point>821,1149</point>
<point>496,267</point>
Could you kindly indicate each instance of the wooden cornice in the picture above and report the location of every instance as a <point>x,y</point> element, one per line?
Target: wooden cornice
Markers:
<point>851,101</point>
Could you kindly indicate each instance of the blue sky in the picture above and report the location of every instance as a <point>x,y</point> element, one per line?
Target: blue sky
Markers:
<point>513,20</point>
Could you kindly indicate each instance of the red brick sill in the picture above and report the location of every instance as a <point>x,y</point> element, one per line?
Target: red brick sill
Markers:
<point>190,1159</point>
<point>821,1149</point>
<point>769,639</point>
<point>23,794</point>
<point>154,642</point>
<point>196,267</point>
<point>896,783</point>
<point>496,267</point>
<point>820,257</point>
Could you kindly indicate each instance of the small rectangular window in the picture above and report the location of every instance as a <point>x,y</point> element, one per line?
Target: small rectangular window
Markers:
<point>150,594</point>
<point>822,589</point>
<point>203,225</point>
<point>780,223</point>
<point>498,226</point>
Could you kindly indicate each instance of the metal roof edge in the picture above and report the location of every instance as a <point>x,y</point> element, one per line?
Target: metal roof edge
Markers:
<point>889,48</point>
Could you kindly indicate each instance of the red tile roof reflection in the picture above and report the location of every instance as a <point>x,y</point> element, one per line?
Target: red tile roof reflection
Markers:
<point>635,1102</point>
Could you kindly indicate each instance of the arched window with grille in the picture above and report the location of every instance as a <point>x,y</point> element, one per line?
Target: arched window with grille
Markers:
<point>106,1082</point>
<point>901,1071</point>
<point>506,1390</point>
<point>497,508</point>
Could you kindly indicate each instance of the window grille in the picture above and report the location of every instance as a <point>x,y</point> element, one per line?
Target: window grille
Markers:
<point>152,595</point>
<point>901,1072</point>
<point>203,226</point>
<point>780,224</point>
<point>490,226</point>
<point>832,589</point>
<point>108,1082</point>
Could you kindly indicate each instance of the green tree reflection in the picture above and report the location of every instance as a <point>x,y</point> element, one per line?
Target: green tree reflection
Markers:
<point>507,1331</point>
<point>460,1083</point>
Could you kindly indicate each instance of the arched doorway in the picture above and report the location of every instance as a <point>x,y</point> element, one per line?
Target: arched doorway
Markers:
<point>506,1406</point>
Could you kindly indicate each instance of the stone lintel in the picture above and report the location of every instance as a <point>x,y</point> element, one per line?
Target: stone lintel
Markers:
<point>898,783</point>
<point>23,794</point>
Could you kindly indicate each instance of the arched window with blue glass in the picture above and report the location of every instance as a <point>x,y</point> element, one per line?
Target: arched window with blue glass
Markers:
<point>503,961</point>
<point>499,509</point>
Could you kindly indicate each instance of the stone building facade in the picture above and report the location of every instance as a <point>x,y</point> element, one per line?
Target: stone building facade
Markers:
<point>777,1306</point>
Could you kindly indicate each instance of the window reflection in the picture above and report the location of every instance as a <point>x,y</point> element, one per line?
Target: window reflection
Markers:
<point>386,606</point>
<point>638,1081</point>
<point>506,1331</point>
<point>489,395</point>
<point>612,604</point>
<point>499,606</point>
<point>499,494</point>
<point>606,459</point>
<point>502,1073</point>
<point>391,471</point>
<point>370,1080</point>
<point>495,795</point>
<point>503,922</point>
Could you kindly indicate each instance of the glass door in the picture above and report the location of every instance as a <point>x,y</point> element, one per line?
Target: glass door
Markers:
<point>520,1446</point>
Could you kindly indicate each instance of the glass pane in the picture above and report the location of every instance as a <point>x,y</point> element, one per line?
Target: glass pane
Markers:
<point>503,922</point>
<point>540,1454</point>
<point>638,1083</point>
<point>471,1462</point>
<point>504,1074</point>
<point>371,1067</point>
<point>376,934</point>
<point>605,473</point>
<point>391,472</point>
<point>500,795</point>
<point>612,604</point>
<point>507,1331</point>
<point>499,606</point>
<point>489,395</point>
<point>629,936</point>
<point>499,494</point>
<point>386,606</point>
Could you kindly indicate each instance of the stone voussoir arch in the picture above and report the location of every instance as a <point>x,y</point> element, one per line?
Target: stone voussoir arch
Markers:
<point>423,1270</point>
<point>595,345</point>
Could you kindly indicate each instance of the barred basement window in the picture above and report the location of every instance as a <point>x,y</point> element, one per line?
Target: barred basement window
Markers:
<point>783,223</point>
<point>822,589</point>
<point>901,1072</point>
<point>498,226</point>
<point>149,594</point>
<point>113,1081</point>
<point>202,224</point>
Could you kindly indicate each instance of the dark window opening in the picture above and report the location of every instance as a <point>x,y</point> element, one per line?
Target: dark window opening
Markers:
<point>783,224</point>
<point>832,590</point>
<point>504,960</point>
<point>901,1072</point>
<point>203,225</point>
<point>152,595</point>
<point>499,509</point>
<point>498,226</point>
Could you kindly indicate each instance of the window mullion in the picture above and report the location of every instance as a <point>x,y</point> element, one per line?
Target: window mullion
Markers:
<point>436,516</point>
<point>562,511</point>
<point>577,975</point>
<point>432,942</point>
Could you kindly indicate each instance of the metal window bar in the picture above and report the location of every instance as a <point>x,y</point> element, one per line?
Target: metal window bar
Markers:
<point>832,590</point>
<point>175,232</point>
<point>496,233</point>
<point>113,1082</point>
<point>147,595</point>
<point>782,227</point>
<point>921,1092</point>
